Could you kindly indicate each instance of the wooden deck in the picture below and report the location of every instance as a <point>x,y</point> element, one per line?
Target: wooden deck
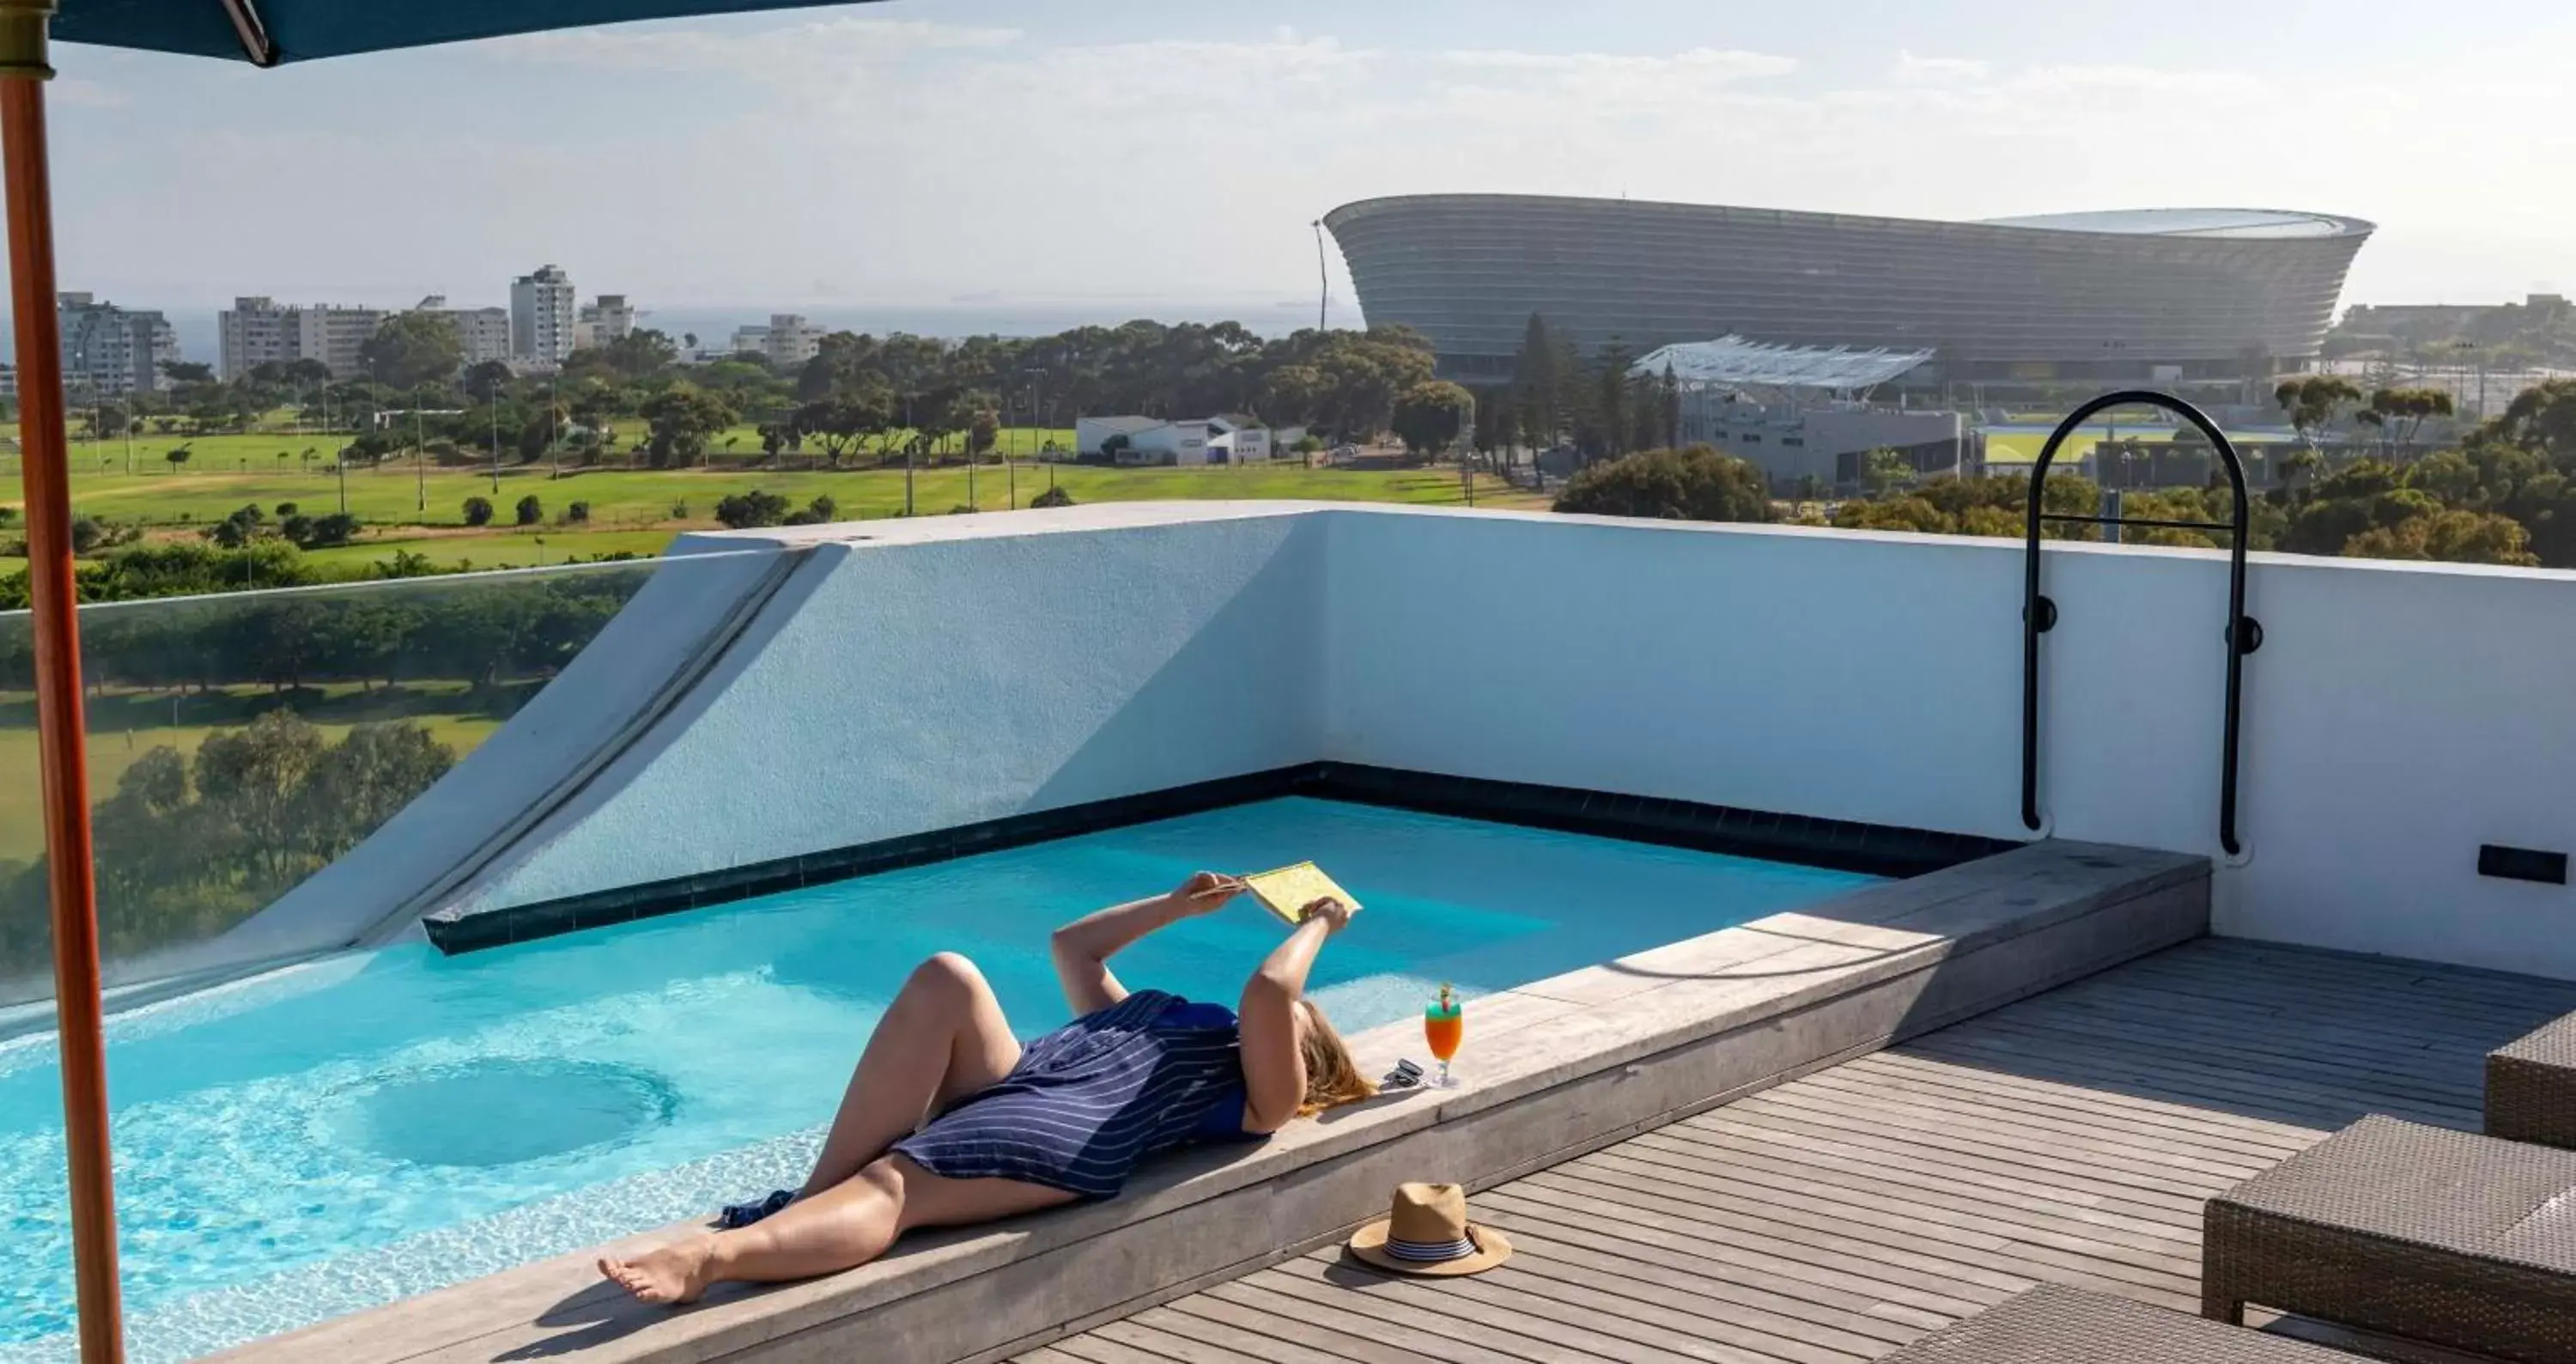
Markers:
<point>2069,1138</point>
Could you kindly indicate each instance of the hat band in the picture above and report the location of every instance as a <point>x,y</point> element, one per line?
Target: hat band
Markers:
<point>1430,1252</point>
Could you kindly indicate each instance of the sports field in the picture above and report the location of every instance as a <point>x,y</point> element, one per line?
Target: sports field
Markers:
<point>2021,443</point>
<point>419,507</point>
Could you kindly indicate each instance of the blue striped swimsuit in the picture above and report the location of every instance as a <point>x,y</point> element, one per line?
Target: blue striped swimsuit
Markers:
<point>1090,1100</point>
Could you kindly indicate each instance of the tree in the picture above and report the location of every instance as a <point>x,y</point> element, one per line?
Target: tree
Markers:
<point>1430,415</point>
<point>324,532</point>
<point>1696,484</point>
<point>2451,536</point>
<point>2541,418</point>
<point>485,382</point>
<point>412,349</point>
<point>1052,497</point>
<point>2313,403</point>
<point>639,354</point>
<point>478,511</point>
<point>1883,471</point>
<point>835,424</point>
<point>683,418</point>
<point>2401,412</point>
<point>530,511</point>
<point>1539,386</point>
<point>188,372</point>
<point>178,455</point>
<point>255,775</point>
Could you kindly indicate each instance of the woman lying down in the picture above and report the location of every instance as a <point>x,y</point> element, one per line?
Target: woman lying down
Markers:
<point>949,1120</point>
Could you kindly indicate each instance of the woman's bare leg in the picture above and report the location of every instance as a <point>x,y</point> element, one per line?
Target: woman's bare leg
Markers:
<point>943,1038</point>
<point>840,1228</point>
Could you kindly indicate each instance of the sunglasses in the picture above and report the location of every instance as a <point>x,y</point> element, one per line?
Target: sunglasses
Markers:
<point>1406,1075</point>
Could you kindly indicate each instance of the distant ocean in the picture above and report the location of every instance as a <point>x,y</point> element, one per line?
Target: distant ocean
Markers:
<point>197,329</point>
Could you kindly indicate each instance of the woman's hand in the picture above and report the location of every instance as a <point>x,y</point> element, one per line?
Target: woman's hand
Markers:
<point>1335,914</point>
<point>1206,892</point>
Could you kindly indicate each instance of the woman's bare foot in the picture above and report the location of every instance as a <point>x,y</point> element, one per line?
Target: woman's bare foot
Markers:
<point>673,1274</point>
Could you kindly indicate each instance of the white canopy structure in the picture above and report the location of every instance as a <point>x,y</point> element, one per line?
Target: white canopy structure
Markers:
<point>1734,362</point>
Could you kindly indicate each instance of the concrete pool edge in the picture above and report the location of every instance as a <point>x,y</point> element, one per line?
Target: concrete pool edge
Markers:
<point>1556,1067</point>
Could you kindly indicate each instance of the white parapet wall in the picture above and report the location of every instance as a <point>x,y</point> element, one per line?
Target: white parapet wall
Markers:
<point>917,676</point>
<point>2396,717</point>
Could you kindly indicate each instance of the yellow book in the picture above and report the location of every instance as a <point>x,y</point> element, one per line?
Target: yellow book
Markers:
<point>1287,891</point>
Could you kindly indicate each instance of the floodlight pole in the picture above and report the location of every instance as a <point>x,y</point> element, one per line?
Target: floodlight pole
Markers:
<point>53,592</point>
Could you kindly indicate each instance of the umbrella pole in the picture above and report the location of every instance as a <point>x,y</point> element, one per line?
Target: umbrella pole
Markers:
<point>45,460</point>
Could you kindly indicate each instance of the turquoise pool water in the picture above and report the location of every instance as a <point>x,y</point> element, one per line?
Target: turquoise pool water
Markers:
<point>331,1136</point>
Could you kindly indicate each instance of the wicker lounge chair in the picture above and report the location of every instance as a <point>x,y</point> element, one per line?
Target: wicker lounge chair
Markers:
<point>2531,1087</point>
<point>2419,1232</point>
<point>2054,1325</point>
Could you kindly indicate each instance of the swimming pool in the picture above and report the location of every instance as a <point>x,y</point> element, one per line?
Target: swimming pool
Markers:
<point>372,1126</point>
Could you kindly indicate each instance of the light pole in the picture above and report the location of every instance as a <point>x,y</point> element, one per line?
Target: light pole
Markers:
<point>420,458</point>
<point>1323,282</point>
<point>496,442</point>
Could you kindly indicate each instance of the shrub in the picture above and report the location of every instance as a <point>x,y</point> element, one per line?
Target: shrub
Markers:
<point>87,534</point>
<point>531,511</point>
<point>478,511</point>
<point>680,509</point>
<point>1696,484</point>
<point>746,511</point>
<point>578,513</point>
<point>1052,497</point>
<point>286,509</point>
<point>823,507</point>
<point>321,532</point>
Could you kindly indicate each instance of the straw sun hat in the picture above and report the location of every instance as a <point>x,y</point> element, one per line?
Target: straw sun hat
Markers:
<point>1427,1232</point>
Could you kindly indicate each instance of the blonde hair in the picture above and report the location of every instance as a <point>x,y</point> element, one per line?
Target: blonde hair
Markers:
<point>1332,1077</point>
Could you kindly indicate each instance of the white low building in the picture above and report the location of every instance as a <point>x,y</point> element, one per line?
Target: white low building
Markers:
<point>1228,439</point>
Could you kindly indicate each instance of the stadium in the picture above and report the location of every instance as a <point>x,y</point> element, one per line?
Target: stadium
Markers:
<point>2154,294</point>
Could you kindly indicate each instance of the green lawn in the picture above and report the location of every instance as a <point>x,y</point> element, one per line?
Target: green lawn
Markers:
<point>123,726</point>
<point>639,510</point>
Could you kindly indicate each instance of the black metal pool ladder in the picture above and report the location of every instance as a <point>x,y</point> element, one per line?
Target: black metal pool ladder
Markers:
<point>2243,634</point>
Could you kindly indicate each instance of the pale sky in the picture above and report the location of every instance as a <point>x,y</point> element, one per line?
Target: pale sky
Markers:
<point>927,151</point>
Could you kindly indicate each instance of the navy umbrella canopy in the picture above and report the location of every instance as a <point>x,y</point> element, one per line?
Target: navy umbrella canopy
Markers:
<point>268,32</point>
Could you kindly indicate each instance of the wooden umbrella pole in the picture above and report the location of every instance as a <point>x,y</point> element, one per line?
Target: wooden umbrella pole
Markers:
<point>45,458</point>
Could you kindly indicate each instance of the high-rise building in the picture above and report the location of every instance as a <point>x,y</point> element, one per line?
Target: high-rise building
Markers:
<point>481,333</point>
<point>254,332</point>
<point>257,331</point>
<point>543,311</point>
<point>111,350</point>
<point>610,318</point>
<point>789,340</point>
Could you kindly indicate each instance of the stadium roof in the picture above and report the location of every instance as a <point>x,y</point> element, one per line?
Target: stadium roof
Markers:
<point>1735,360</point>
<point>2191,222</point>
